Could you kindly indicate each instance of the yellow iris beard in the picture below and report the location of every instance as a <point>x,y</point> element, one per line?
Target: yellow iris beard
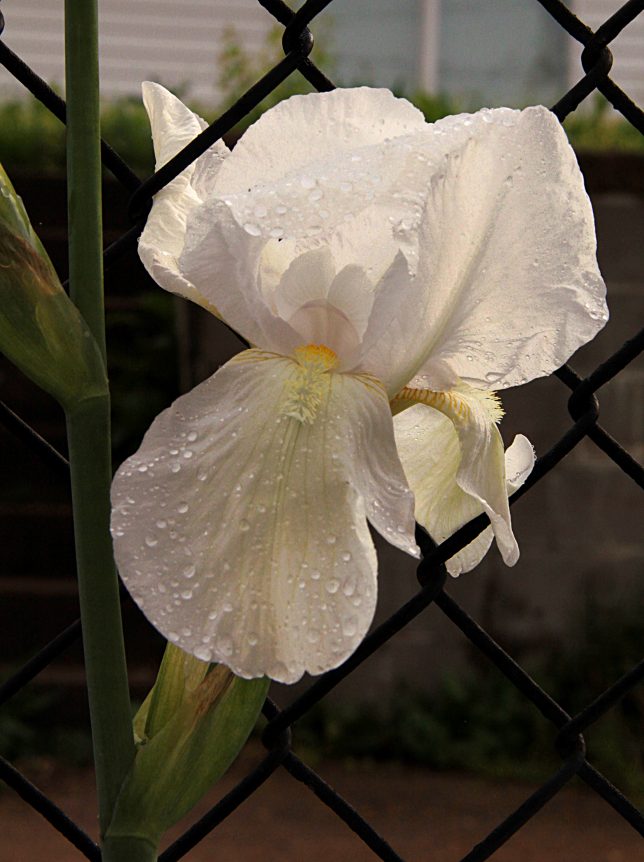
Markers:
<point>451,403</point>
<point>311,382</point>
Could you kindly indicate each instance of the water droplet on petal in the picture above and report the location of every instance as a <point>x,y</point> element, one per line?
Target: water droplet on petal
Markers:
<point>225,646</point>
<point>332,586</point>
<point>151,541</point>
<point>244,526</point>
<point>251,228</point>
<point>349,626</point>
<point>204,653</point>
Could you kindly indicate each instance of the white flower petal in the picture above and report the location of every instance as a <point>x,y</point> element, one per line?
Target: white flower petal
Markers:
<point>315,161</point>
<point>242,533</point>
<point>454,463</point>
<point>507,245</point>
<point>161,243</point>
<point>223,261</point>
<point>327,127</point>
<point>394,342</point>
<point>307,279</point>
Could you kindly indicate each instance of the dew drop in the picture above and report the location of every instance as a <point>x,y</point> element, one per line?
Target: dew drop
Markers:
<point>182,508</point>
<point>349,586</point>
<point>346,556</point>
<point>330,540</point>
<point>186,594</point>
<point>192,436</point>
<point>313,636</point>
<point>349,626</point>
<point>142,468</point>
<point>162,524</point>
<point>315,575</point>
<point>188,454</point>
<point>189,571</point>
<point>251,228</point>
<point>332,586</point>
<point>244,526</point>
<point>151,541</point>
<point>225,646</point>
<point>204,653</point>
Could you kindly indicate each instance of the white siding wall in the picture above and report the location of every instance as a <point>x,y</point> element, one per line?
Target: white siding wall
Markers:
<point>627,49</point>
<point>173,41</point>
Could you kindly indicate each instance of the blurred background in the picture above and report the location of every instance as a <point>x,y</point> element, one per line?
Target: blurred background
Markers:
<point>570,611</point>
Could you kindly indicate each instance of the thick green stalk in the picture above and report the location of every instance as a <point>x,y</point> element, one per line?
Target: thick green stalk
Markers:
<point>88,426</point>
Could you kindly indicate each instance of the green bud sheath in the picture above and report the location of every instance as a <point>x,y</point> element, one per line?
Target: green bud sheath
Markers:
<point>41,330</point>
<point>189,730</point>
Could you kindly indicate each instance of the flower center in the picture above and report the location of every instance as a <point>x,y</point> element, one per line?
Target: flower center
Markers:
<point>310,382</point>
<point>316,355</point>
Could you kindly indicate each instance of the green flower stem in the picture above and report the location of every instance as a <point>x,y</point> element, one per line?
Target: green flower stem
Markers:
<point>88,426</point>
<point>130,849</point>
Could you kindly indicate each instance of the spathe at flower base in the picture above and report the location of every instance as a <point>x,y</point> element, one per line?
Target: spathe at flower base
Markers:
<point>370,258</point>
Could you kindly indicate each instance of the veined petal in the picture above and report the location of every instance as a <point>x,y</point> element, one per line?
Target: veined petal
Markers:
<point>452,454</point>
<point>161,243</point>
<point>331,126</point>
<point>241,531</point>
<point>223,260</point>
<point>507,246</point>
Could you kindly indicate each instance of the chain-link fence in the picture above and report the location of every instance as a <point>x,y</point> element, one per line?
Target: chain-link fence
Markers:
<point>583,407</point>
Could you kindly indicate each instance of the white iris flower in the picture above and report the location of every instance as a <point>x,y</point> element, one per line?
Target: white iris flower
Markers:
<point>373,260</point>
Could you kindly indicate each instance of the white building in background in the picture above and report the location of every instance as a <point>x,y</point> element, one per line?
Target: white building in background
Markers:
<point>481,51</point>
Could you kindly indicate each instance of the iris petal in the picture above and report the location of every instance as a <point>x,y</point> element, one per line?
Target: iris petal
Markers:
<point>454,462</point>
<point>242,533</point>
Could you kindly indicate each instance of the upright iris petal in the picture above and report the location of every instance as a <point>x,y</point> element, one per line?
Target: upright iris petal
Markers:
<point>372,260</point>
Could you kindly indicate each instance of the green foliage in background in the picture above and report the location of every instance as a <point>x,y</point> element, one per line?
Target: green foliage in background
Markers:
<point>33,140</point>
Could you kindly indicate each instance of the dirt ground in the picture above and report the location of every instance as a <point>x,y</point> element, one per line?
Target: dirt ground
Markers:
<point>423,815</point>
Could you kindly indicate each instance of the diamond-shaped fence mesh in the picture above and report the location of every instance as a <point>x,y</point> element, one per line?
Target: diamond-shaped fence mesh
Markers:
<point>583,407</point>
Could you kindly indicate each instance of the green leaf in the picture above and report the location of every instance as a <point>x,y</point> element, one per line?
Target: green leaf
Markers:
<point>41,330</point>
<point>191,727</point>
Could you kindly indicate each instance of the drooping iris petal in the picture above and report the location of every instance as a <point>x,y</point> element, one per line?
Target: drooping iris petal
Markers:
<point>242,532</point>
<point>475,456</point>
<point>431,456</point>
<point>507,244</point>
<point>173,127</point>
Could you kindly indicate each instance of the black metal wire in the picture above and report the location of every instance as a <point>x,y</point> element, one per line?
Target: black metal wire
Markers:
<point>583,405</point>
